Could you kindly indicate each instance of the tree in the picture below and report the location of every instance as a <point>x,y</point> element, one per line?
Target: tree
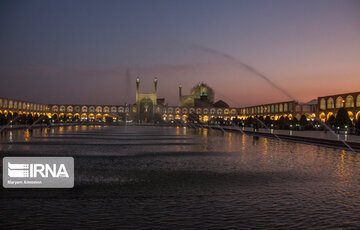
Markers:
<point>303,122</point>
<point>268,121</point>
<point>108,119</point>
<point>331,121</point>
<point>342,119</point>
<point>282,123</point>
<point>194,118</point>
<point>357,127</point>
<point>249,121</point>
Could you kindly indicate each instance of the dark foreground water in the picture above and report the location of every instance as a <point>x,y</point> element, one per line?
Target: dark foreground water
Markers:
<point>157,177</point>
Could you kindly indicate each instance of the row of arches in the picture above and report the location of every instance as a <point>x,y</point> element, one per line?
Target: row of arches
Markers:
<point>21,105</point>
<point>339,102</point>
<point>186,110</point>
<point>92,109</point>
<point>273,108</point>
<point>12,112</point>
<point>353,115</point>
<point>202,118</point>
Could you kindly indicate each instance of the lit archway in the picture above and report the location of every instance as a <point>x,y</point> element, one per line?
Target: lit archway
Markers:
<point>83,116</point>
<point>351,115</point>
<point>358,116</point>
<point>98,117</point>
<point>206,118</point>
<point>91,116</point>
<point>322,116</point>
<point>349,102</point>
<point>339,102</point>
<point>329,115</point>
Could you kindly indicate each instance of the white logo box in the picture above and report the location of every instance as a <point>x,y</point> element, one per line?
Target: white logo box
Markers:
<point>38,172</point>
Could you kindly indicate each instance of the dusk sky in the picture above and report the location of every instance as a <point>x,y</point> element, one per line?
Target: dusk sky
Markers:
<point>91,52</point>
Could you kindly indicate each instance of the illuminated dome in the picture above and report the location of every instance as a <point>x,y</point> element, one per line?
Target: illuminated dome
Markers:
<point>202,89</point>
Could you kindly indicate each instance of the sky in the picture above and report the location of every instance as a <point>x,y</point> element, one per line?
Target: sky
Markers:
<point>90,52</point>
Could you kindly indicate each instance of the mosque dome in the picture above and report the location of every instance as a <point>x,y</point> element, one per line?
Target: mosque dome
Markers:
<point>202,89</point>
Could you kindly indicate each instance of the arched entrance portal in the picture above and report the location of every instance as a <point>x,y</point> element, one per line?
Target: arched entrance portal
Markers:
<point>146,110</point>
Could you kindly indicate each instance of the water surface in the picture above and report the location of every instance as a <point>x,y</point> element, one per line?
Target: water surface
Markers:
<point>167,177</point>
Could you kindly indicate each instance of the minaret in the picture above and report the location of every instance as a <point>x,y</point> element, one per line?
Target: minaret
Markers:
<point>180,95</point>
<point>137,89</point>
<point>155,91</point>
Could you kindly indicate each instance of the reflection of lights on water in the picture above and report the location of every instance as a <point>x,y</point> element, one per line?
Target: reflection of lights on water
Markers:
<point>26,135</point>
<point>265,146</point>
<point>341,170</point>
<point>11,136</point>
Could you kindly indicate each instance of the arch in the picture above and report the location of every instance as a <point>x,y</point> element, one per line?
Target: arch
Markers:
<point>84,109</point>
<point>351,115</point>
<point>106,109</point>
<point>357,116</point>
<point>113,109</point>
<point>329,115</point>
<point>358,100</point>
<point>184,117</point>
<point>98,117</point>
<point>349,101</point>
<point>185,110</point>
<point>91,116</point>
<point>322,104</point>
<point>62,108</point>
<point>70,109</point>
<point>339,102</point>
<point>281,108</point>
<point>91,109</point>
<point>83,116</point>
<point>55,108</point>
<point>98,109</point>
<point>77,109</point>
<point>205,111</point>
<point>322,116</point>
<point>330,103</point>
<point>206,118</point>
